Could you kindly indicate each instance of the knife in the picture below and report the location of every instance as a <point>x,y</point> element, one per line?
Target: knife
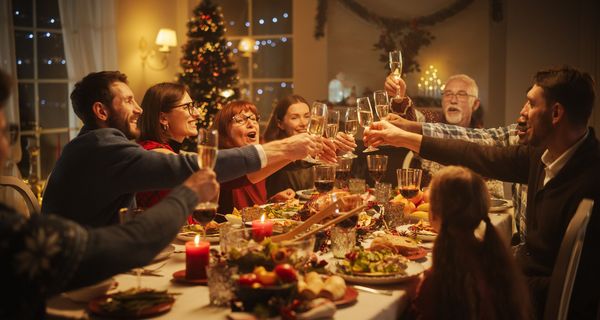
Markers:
<point>376,291</point>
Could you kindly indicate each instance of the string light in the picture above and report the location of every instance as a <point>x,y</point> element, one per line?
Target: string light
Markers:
<point>430,85</point>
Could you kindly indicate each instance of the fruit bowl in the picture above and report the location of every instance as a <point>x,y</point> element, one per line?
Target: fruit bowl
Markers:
<point>271,298</point>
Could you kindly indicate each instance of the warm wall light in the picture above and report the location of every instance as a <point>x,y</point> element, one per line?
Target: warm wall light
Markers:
<point>247,46</point>
<point>165,39</point>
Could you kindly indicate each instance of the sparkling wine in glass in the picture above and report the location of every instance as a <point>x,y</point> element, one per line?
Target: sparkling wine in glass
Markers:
<point>333,123</point>
<point>317,123</point>
<point>365,116</point>
<point>382,104</point>
<point>208,141</point>
<point>324,178</point>
<point>409,182</point>
<point>396,66</point>
<point>350,127</point>
<point>377,165</point>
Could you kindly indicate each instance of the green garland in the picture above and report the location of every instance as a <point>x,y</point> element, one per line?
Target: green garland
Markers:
<point>407,35</point>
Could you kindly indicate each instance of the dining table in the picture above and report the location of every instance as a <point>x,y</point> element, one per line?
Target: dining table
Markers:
<point>192,301</point>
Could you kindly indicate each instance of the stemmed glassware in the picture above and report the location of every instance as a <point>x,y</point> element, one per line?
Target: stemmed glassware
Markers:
<point>333,124</point>
<point>317,124</point>
<point>409,182</point>
<point>324,178</point>
<point>377,165</point>
<point>396,71</point>
<point>208,141</point>
<point>365,116</point>
<point>350,127</point>
<point>382,104</point>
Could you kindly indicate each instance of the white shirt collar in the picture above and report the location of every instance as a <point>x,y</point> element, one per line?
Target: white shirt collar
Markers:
<point>553,168</point>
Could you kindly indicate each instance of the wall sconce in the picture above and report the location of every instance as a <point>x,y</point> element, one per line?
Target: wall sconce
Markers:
<point>165,39</point>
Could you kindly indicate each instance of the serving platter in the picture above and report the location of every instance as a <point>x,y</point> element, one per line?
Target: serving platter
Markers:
<point>424,236</point>
<point>499,205</point>
<point>413,270</point>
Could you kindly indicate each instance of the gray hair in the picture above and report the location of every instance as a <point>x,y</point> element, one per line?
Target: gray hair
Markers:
<point>471,83</point>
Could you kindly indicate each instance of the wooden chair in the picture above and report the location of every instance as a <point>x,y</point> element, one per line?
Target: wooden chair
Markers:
<point>567,261</point>
<point>24,190</point>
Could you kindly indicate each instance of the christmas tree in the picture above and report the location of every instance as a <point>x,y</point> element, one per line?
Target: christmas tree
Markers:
<point>208,69</point>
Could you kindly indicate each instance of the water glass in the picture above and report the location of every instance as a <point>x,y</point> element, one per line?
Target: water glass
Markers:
<point>221,284</point>
<point>357,186</point>
<point>343,241</point>
<point>226,234</point>
<point>393,215</point>
<point>382,192</point>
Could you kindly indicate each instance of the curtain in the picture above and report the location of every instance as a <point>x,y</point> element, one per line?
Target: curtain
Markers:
<point>89,37</point>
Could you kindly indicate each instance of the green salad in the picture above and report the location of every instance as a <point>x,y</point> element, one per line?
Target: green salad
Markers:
<point>367,262</point>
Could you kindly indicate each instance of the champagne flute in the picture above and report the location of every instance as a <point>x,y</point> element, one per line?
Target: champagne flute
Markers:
<point>382,104</point>
<point>208,141</point>
<point>365,116</point>
<point>351,127</point>
<point>317,124</point>
<point>333,123</point>
<point>396,72</point>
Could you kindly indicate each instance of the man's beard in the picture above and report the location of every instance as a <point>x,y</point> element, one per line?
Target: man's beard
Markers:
<point>454,118</point>
<point>123,126</point>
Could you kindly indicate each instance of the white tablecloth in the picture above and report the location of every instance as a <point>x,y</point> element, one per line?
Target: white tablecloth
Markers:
<point>193,303</point>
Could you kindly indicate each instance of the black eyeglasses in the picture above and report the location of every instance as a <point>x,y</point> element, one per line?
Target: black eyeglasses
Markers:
<point>242,119</point>
<point>11,132</point>
<point>191,107</point>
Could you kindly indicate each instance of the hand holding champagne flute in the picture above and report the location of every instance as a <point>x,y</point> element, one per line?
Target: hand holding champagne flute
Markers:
<point>350,127</point>
<point>317,124</point>
<point>208,141</point>
<point>365,116</point>
<point>396,66</point>
<point>382,104</point>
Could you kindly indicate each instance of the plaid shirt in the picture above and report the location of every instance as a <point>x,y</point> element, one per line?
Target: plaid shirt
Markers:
<point>502,136</point>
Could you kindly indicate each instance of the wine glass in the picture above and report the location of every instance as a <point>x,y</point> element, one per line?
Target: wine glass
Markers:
<point>324,178</point>
<point>409,182</point>
<point>396,66</point>
<point>377,165</point>
<point>350,127</point>
<point>208,141</point>
<point>382,104</point>
<point>126,215</point>
<point>317,124</point>
<point>365,116</point>
<point>333,123</point>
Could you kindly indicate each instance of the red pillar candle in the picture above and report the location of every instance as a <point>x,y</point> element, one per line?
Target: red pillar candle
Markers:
<point>197,255</point>
<point>262,228</point>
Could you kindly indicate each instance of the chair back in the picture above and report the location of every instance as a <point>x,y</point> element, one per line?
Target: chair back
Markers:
<point>567,261</point>
<point>24,191</point>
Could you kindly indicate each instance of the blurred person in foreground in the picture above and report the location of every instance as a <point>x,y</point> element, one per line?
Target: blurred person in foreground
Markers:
<point>473,275</point>
<point>47,254</point>
<point>561,165</point>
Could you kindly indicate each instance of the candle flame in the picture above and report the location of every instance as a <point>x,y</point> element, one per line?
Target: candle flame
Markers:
<point>262,218</point>
<point>197,240</point>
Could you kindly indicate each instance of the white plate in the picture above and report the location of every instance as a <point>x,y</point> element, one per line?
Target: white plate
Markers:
<point>306,194</point>
<point>165,253</point>
<point>414,269</point>
<point>423,236</point>
<point>498,205</point>
<point>190,235</point>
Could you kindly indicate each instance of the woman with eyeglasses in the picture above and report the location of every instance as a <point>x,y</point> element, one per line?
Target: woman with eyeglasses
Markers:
<point>169,117</point>
<point>238,125</point>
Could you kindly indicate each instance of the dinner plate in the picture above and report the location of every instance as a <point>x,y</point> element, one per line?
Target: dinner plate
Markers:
<point>190,235</point>
<point>498,205</point>
<point>349,298</point>
<point>95,307</point>
<point>306,194</point>
<point>413,270</point>
<point>423,236</point>
<point>165,253</point>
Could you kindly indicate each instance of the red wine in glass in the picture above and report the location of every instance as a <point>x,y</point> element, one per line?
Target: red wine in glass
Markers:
<point>204,213</point>
<point>377,175</point>
<point>409,191</point>
<point>324,185</point>
<point>342,175</point>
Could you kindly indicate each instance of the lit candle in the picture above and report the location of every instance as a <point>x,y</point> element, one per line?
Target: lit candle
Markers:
<point>197,254</point>
<point>262,228</point>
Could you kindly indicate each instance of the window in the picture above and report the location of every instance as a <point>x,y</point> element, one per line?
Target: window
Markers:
<point>42,84</point>
<point>260,35</point>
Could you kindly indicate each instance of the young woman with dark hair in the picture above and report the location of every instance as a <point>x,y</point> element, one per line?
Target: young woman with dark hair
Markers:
<point>473,276</point>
